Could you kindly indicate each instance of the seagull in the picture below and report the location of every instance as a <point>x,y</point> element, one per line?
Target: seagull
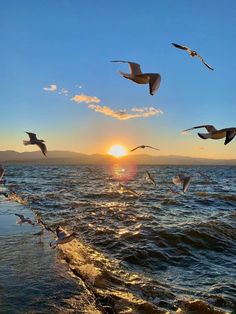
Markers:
<point>62,237</point>
<point>192,54</point>
<point>23,219</point>
<point>213,133</point>
<point>125,189</point>
<point>33,140</point>
<point>143,146</point>
<point>150,177</point>
<point>1,172</point>
<point>182,180</point>
<point>136,75</point>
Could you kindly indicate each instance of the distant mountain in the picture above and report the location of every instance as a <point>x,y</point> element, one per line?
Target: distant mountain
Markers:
<point>67,157</point>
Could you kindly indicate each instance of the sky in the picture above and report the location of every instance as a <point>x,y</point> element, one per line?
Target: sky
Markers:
<point>57,79</point>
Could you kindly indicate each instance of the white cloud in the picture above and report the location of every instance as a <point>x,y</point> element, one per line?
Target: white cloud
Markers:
<point>51,88</point>
<point>85,98</point>
<point>123,114</point>
<point>64,91</point>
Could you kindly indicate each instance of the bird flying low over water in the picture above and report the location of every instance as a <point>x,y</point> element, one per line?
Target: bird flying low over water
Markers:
<point>34,141</point>
<point>150,177</point>
<point>214,134</point>
<point>143,146</point>
<point>192,54</point>
<point>182,180</point>
<point>23,219</point>
<point>136,75</point>
<point>62,237</point>
<point>125,189</point>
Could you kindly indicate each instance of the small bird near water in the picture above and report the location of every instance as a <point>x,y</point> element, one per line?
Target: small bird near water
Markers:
<point>23,220</point>
<point>182,180</point>
<point>62,237</point>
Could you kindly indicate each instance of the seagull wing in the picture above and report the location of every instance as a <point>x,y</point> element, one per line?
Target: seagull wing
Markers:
<point>210,128</point>
<point>154,83</point>
<point>134,67</point>
<point>186,184</point>
<point>32,136</point>
<point>230,134</point>
<point>181,47</point>
<point>1,172</point>
<point>43,147</point>
<point>132,150</point>
<point>207,65</point>
<point>20,216</point>
<point>177,180</point>
<point>152,147</point>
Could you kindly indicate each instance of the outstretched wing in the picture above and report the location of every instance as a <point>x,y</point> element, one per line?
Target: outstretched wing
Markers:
<point>20,216</point>
<point>134,67</point>
<point>1,172</point>
<point>207,65</point>
<point>152,147</point>
<point>210,128</point>
<point>230,134</point>
<point>132,150</point>
<point>154,83</point>
<point>186,184</point>
<point>43,148</point>
<point>32,136</point>
<point>181,47</point>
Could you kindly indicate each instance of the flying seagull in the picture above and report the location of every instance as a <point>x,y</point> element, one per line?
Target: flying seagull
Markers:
<point>182,180</point>
<point>192,54</point>
<point>143,146</point>
<point>150,177</point>
<point>34,141</point>
<point>62,237</point>
<point>23,219</point>
<point>136,75</point>
<point>125,189</point>
<point>213,133</point>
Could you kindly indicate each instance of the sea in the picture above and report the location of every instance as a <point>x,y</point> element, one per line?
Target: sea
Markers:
<point>141,247</point>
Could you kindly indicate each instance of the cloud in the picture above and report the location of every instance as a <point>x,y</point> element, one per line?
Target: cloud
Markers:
<point>64,91</point>
<point>85,98</point>
<point>51,88</point>
<point>123,114</point>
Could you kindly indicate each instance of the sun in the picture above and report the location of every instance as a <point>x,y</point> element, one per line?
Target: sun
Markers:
<point>117,151</point>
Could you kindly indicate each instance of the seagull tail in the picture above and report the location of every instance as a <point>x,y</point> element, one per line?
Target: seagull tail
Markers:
<point>26,142</point>
<point>125,75</point>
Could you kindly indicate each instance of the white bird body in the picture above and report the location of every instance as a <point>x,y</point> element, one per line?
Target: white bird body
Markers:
<point>214,134</point>
<point>136,75</point>
<point>62,237</point>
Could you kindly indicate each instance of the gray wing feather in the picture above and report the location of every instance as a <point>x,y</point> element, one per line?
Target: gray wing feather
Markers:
<point>210,128</point>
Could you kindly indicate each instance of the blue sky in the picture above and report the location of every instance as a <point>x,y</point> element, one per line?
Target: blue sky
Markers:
<point>70,44</point>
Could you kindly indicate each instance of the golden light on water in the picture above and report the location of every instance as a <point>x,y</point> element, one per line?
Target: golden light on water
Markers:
<point>117,151</point>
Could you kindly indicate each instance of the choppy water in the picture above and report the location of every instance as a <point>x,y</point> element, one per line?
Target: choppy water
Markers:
<point>150,254</point>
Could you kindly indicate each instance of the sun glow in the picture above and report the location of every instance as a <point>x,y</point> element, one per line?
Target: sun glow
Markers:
<point>117,151</point>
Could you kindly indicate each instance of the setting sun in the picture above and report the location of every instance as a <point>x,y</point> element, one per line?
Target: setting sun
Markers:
<point>117,151</point>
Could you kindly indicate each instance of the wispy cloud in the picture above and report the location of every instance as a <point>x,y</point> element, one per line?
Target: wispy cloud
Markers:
<point>123,114</point>
<point>51,88</point>
<point>85,98</point>
<point>64,92</point>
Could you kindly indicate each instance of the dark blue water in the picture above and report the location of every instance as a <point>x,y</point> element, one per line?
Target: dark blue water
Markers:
<point>149,254</point>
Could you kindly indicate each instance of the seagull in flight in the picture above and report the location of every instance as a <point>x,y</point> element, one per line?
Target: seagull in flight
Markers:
<point>136,75</point>
<point>213,133</point>
<point>150,177</point>
<point>34,141</point>
<point>125,189</point>
<point>62,237</point>
<point>143,146</point>
<point>192,54</point>
<point>182,180</point>
<point>23,220</point>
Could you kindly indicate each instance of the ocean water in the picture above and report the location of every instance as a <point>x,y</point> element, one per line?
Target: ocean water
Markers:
<point>152,252</point>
